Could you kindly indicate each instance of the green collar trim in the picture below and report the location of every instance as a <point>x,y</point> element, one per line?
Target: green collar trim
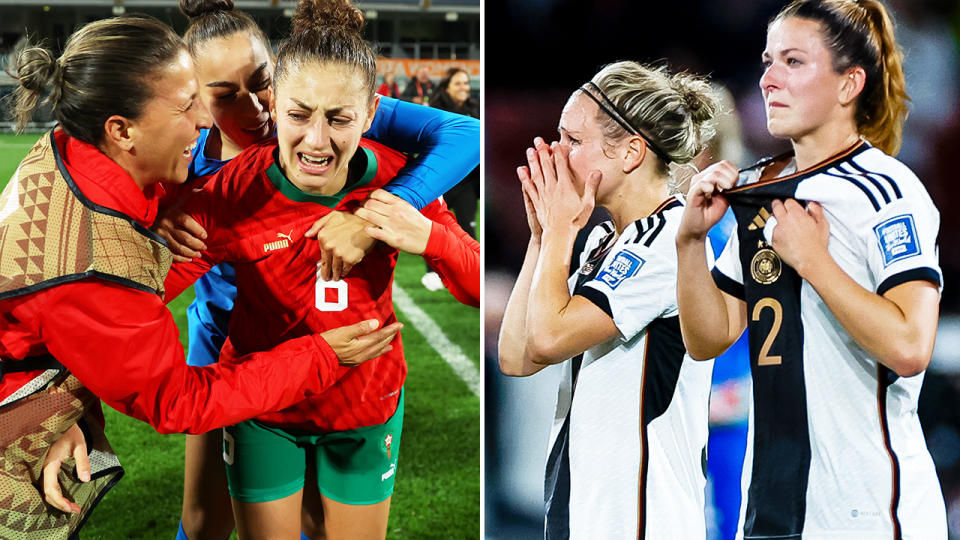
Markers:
<point>365,159</point>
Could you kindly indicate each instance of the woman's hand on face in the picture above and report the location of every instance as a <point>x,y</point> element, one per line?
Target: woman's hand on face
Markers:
<point>526,184</point>
<point>396,222</point>
<point>705,203</point>
<point>800,235</point>
<point>554,196</point>
<point>183,234</point>
<point>343,242</point>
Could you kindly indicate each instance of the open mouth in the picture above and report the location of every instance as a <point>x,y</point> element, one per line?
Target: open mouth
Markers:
<point>312,161</point>
<point>188,153</point>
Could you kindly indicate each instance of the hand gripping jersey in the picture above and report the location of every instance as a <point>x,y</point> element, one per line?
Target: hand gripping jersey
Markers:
<point>835,448</point>
<point>256,219</point>
<point>50,233</point>
<point>629,436</point>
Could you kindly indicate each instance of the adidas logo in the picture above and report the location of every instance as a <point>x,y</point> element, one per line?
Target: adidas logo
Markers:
<point>759,220</point>
<point>284,242</point>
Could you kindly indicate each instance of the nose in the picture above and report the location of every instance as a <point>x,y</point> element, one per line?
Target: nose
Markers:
<point>318,134</point>
<point>771,78</point>
<point>202,117</point>
<point>257,106</point>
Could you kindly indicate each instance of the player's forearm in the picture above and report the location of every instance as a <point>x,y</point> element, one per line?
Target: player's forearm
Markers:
<point>512,343</point>
<point>455,256</point>
<point>197,400</point>
<point>124,346</point>
<point>707,327</point>
<point>549,296</point>
<point>900,341</point>
<point>448,146</point>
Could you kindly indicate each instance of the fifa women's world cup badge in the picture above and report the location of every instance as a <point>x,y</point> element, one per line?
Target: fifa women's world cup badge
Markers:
<point>765,266</point>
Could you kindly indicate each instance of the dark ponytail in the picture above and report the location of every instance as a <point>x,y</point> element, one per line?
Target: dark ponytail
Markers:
<point>105,70</point>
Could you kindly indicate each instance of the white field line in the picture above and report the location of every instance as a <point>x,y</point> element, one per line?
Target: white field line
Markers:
<point>449,351</point>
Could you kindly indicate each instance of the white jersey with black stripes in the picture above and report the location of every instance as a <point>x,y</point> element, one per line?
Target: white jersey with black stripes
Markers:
<point>835,448</point>
<point>628,443</point>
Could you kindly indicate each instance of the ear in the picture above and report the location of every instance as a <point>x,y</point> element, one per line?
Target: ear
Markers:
<point>272,97</point>
<point>852,85</point>
<point>635,154</point>
<point>119,132</point>
<point>371,112</point>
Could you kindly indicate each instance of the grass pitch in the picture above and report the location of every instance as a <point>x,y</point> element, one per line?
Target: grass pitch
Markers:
<point>437,491</point>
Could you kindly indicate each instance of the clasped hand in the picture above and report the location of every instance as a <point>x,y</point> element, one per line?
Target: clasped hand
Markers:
<point>551,197</point>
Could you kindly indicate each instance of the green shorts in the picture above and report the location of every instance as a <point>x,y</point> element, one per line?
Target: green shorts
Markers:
<point>358,466</point>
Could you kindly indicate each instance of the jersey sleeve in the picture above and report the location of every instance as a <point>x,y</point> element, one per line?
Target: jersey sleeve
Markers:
<point>728,271</point>
<point>454,254</point>
<point>447,144</point>
<point>212,207</point>
<point>123,345</point>
<point>901,244</point>
<point>635,285</point>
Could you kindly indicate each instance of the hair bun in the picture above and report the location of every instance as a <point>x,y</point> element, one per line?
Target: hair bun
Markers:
<point>199,8</point>
<point>698,97</point>
<point>314,14</point>
<point>35,68</point>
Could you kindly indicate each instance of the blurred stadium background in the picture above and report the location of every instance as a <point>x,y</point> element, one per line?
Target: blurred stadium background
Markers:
<point>554,46</point>
<point>409,34</point>
<point>438,487</point>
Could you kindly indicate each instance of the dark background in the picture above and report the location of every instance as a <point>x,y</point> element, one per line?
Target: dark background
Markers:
<point>538,51</point>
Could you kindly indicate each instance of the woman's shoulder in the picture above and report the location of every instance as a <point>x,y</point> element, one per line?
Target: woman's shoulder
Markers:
<point>877,163</point>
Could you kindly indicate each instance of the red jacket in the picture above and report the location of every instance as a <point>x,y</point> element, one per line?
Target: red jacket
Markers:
<point>123,344</point>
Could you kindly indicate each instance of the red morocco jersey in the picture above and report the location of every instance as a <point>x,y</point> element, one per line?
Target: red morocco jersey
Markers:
<point>256,219</point>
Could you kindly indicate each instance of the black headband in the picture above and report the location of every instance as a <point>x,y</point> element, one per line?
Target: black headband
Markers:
<point>608,107</point>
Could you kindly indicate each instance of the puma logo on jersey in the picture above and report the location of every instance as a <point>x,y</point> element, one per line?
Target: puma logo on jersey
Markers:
<point>284,242</point>
<point>389,473</point>
<point>759,220</point>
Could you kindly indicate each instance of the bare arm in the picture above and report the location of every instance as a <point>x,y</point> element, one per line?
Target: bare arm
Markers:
<point>556,326</point>
<point>513,332</point>
<point>710,319</point>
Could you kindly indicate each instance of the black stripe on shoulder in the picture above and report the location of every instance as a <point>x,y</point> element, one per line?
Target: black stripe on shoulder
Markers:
<point>861,187</point>
<point>597,298</point>
<point>915,274</point>
<point>642,225</point>
<point>868,176</point>
<point>653,235</point>
<point>727,285</point>
<point>893,184</point>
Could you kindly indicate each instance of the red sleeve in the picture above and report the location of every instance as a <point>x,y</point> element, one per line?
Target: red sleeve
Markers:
<point>123,345</point>
<point>182,275</point>
<point>454,254</point>
<point>203,205</point>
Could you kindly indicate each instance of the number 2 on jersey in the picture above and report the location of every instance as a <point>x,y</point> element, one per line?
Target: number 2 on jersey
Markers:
<point>764,358</point>
<point>338,289</point>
